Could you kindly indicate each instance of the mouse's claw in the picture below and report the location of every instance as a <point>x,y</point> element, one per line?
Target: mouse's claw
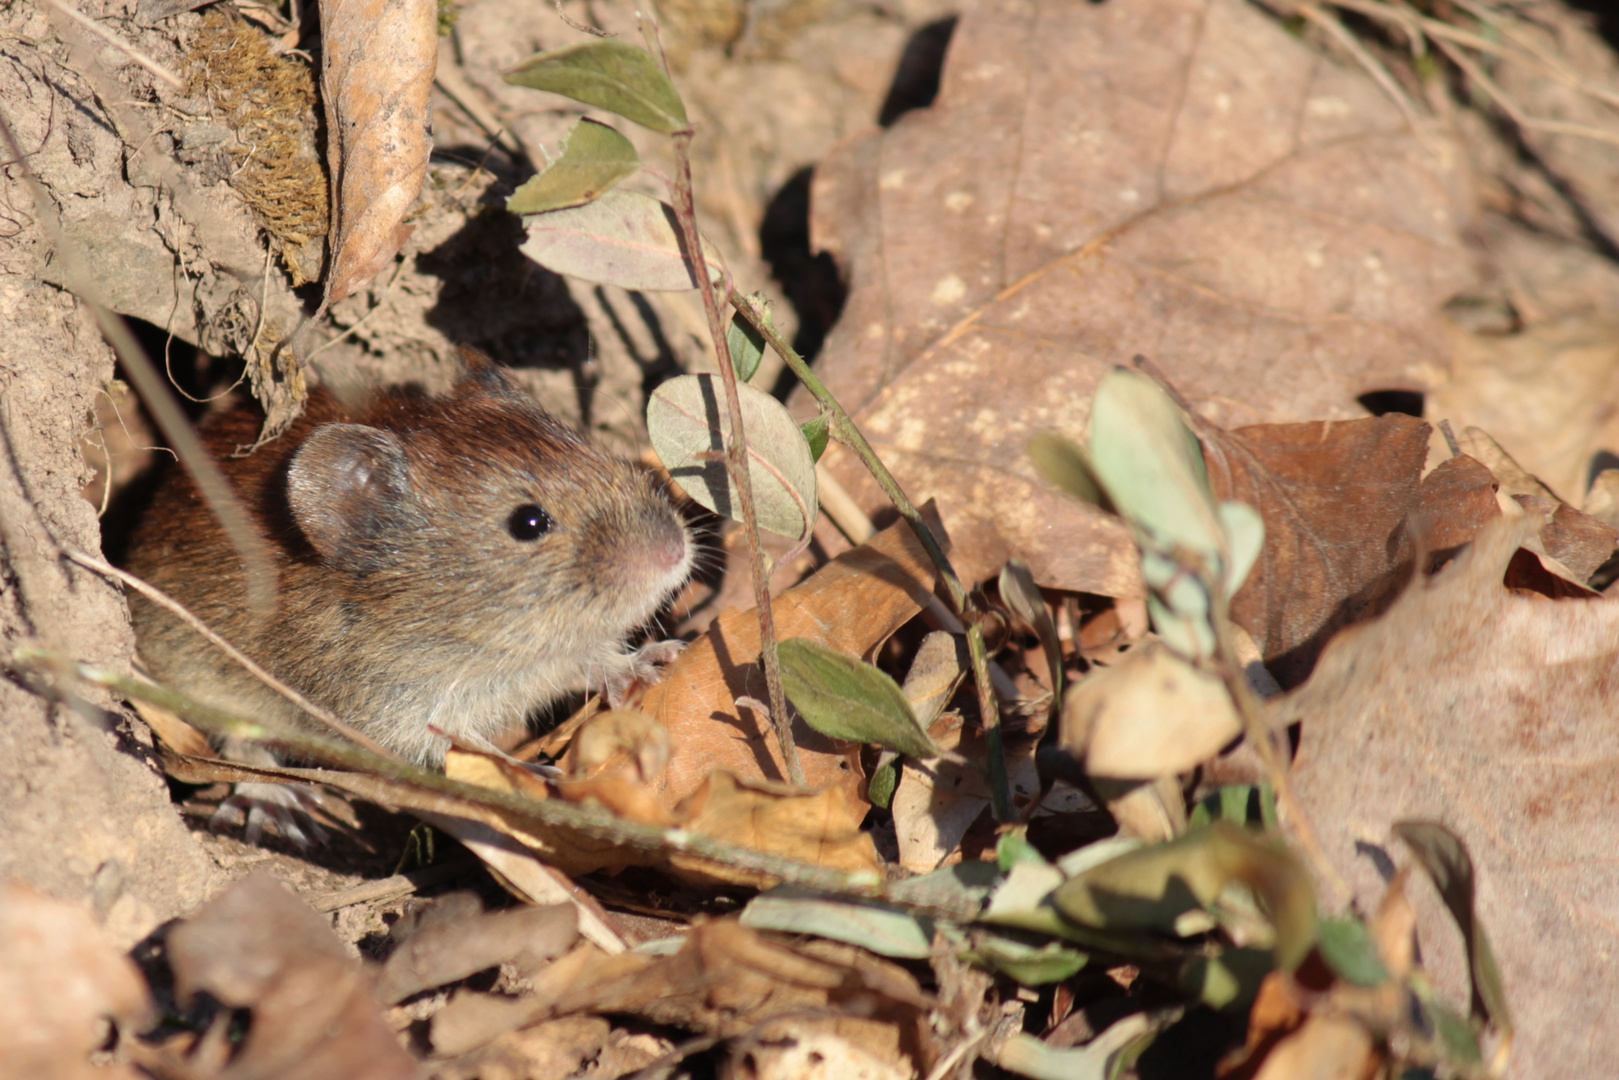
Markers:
<point>288,807</point>
<point>643,667</point>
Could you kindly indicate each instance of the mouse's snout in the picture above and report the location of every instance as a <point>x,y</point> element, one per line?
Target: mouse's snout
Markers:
<point>668,546</point>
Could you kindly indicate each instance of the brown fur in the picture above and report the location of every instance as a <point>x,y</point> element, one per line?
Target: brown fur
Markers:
<point>419,607</point>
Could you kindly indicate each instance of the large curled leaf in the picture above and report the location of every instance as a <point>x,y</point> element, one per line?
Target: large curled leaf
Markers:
<point>594,158</point>
<point>610,75</point>
<point>378,59</point>
<point>1152,887</point>
<point>623,238</point>
<point>686,420</point>
<point>840,696</point>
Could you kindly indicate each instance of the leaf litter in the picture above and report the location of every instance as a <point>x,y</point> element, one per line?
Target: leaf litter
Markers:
<point>1421,577</point>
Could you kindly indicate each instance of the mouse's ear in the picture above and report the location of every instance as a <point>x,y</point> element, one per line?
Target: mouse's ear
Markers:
<point>480,374</point>
<point>349,487</point>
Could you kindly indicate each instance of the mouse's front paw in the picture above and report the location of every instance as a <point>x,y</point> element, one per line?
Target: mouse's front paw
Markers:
<point>643,667</point>
<point>289,807</point>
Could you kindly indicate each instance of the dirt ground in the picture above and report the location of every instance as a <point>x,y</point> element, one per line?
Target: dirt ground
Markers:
<point>146,221</point>
<point>127,191</point>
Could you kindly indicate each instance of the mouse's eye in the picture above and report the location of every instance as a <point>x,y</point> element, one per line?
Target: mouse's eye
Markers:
<point>528,522</point>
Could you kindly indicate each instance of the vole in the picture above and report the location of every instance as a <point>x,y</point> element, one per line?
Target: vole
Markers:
<point>453,561</point>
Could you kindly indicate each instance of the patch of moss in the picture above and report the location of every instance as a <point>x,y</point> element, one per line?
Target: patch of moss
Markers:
<point>269,102</point>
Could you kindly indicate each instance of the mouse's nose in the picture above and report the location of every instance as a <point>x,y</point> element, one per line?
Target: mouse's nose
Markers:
<point>668,547</point>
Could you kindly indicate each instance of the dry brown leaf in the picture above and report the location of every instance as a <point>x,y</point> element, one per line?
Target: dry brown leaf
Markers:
<point>1335,498</point>
<point>1179,178</point>
<point>794,1053</point>
<point>1346,511</point>
<point>821,828</point>
<point>60,978</point>
<point>555,1048</point>
<point>1548,395</point>
<point>451,949</point>
<point>473,1019</point>
<point>1327,1047</point>
<point>1578,542</point>
<point>853,603</point>
<point>1490,712</point>
<point>727,979</point>
<point>257,946</point>
<point>377,72</point>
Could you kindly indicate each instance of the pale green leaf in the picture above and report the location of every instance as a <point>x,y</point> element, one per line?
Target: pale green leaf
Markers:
<point>841,696</point>
<point>1245,537</point>
<point>623,238</point>
<point>1028,965</point>
<point>594,158</point>
<point>966,884</point>
<point>611,75</point>
<point>686,419</point>
<point>883,930</point>
<point>1150,464</point>
<point>1105,1057</point>
<point>1066,466</point>
<point>746,344</point>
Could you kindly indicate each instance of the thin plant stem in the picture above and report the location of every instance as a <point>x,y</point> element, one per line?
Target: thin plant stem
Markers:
<point>843,429</point>
<point>589,820</point>
<point>1276,770</point>
<point>736,455</point>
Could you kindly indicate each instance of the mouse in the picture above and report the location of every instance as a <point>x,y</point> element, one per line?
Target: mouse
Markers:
<point>453,562</point>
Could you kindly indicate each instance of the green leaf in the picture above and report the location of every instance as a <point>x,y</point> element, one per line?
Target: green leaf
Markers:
<point>611,75</point>
<point>1228,980</point>
<point>1066,466</point>
<point>961,885</point>
<point>623,238</point>
<point>1013,847</point>
<point>1245,538</point>
<point>840,696</point>
<point>1350,952</point>
<point>1096,853</point>
<point>746,344</point>
<point>687,421</point>
<point>884,780</point>
<point>1443,855</point>
<point>1150,464</point>
<point>1028,965</point>
<point>1229,803</point>
<point>884,930</point>
<point>1105,1057</point>
<point>1151,888</point>
<point>816,429</point>
<point>594,158</point>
